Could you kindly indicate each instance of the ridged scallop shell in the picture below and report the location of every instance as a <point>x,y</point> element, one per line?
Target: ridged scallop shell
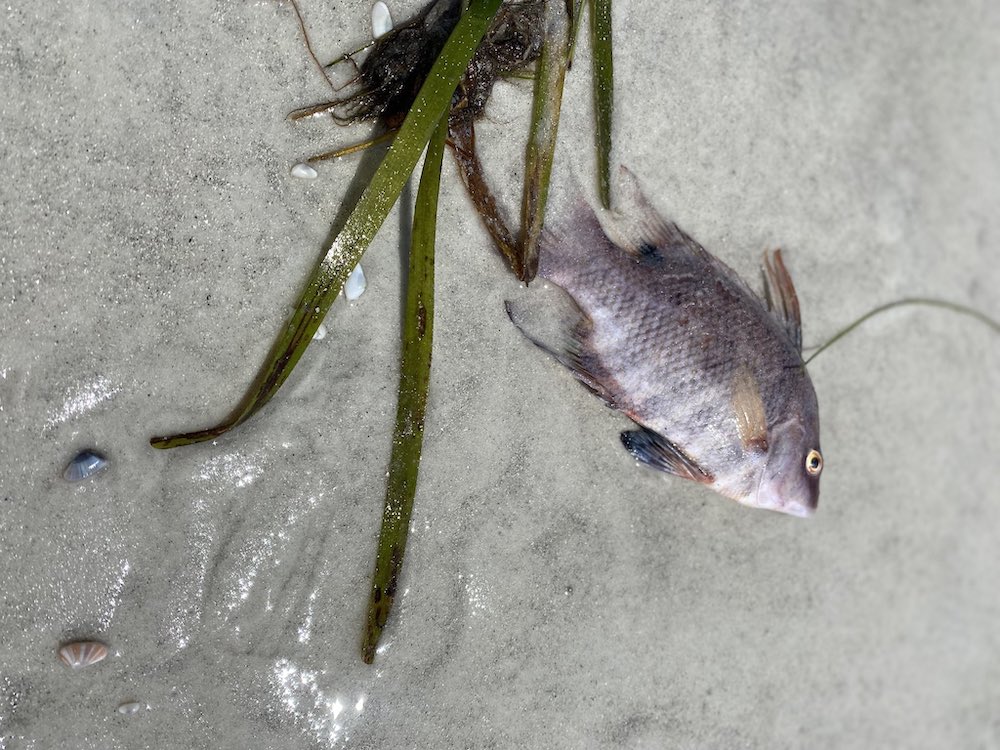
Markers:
<point>80,654</point>
<point>85,464</point>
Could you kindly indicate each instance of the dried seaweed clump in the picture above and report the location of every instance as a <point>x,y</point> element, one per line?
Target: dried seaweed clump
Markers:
<point>391,75</point>
<point>513,42</point>
<point>388,80</point>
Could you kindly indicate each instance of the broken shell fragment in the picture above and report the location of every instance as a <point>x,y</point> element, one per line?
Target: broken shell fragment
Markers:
<point>80,654</point>
<point>85,464</point>
<point>304,171</point>
<point>356,284</point>
<point>381,20</point>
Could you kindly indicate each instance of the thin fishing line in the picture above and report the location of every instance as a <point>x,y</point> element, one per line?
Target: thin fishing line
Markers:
<point>927,301</point>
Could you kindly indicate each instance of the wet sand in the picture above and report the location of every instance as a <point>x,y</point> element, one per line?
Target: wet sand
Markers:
<point>555,595</point>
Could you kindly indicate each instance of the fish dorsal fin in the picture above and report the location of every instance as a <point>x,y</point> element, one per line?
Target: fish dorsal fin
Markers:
<point>640,230</point>
<point>654,450</point>
<point>748,407</point>
<point>643,233</point>
<point>782,300</point>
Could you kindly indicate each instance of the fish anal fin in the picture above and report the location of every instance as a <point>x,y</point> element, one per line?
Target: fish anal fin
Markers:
<point>748,408</point>
<point>782,300</point>
<point>656,451</point>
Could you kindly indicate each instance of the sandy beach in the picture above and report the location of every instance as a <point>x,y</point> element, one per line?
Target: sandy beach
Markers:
<point>555,595</point>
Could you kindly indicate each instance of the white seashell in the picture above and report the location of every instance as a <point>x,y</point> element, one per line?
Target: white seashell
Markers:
<point>304,171</point>
<point>356,284</point>
<point>80,654</point>
<point>129,707</point>
<point>381,20</point>
<point>320,333</point>
<point>85,464</point>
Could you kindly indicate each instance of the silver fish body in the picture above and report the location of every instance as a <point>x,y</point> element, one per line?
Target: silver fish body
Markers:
<point>666,333</point>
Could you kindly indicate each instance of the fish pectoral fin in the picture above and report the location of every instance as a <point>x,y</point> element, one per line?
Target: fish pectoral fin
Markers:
<point>782,300</point>
<point>748,408</point>
<point>654,450</point>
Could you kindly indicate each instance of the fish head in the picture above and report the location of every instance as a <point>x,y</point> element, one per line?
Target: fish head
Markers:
<point>789,482</point>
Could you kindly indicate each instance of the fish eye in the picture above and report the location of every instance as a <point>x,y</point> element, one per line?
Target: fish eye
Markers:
<point>814,462</point>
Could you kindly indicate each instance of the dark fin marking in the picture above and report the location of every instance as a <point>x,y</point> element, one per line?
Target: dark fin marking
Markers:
<point>748,407</point>
<point>558,327</point>
<point>640,224</point>
<point>781,298</point>
<point>654,450</point>
<point>649,254</point>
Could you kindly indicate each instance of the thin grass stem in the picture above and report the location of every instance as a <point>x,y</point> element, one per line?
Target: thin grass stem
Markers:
<point>353,148</point>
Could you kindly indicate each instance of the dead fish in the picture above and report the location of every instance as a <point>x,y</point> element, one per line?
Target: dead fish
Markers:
<point>668,334</point>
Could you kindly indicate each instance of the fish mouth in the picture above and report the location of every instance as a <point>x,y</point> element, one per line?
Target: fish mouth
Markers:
<point>797,509</point>
<point>778,505</point>
<point>770,496</point>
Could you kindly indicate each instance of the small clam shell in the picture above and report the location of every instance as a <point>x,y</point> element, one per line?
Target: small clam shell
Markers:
<point>85,464</point>
<point>80,654</point>
<point>129,707</point>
